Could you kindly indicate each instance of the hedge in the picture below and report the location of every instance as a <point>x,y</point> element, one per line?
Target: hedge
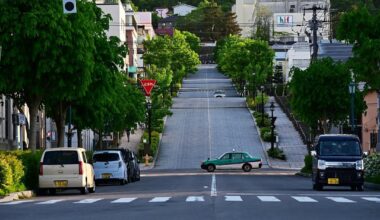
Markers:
<point>372,168</point>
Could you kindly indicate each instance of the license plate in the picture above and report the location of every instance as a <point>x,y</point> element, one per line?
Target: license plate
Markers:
<point>106,175</point>
<point>60,183</point>
<point>333,181</point>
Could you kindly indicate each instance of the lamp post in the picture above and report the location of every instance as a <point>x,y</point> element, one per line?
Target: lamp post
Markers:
<point>69,131</point>
<point>262,105</point>
<point>149,107</point>
<point>253,84</point>
<point>272,126</point>
<point>351,89</point>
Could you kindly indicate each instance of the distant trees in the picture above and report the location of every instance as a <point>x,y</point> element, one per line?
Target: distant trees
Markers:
<point>262,24</point>
<point>245,61</point>
<point>209,22</point>
<point>152,4</point>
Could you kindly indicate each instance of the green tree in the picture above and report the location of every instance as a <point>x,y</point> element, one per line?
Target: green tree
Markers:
<point>262,24</point>
<point>319,94</point>
<point>360,28</point>
<point>192,40</point>
<point>46,53</point>
<point>245,61</point>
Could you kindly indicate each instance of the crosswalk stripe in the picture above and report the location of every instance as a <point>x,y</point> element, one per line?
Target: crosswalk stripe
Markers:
<point>195,199</point>
<point>17,202</point>
<point>50,202</point>
<point>371,199</point>
<point>124,200</point>
<point>340,199</point>
<point>233,198</point>
<point>268,199</point>
<point>87,201</point>
<point>160,199</point>
<point>304,199</point>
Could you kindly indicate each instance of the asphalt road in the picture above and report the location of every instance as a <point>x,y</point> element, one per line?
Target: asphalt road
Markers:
<point>203,126</point>
<point>196,194</point>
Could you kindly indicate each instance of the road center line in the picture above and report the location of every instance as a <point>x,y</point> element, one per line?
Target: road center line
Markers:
<point>213,186</point>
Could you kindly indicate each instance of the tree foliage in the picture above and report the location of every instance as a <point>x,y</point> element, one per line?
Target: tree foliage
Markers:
<point>320,95</point>
<point>361,28</point>
<point>150,5</point>
<point>209,22</point>
<point>245,61</point>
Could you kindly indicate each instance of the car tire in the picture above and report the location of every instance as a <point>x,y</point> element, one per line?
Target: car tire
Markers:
<point>353,187</point>
<point>41,192</point>
<point>317,186</point>
<point>359,187</point>
<point>247,167</point>
<point>52,191</point>
<point>211,168</point>
<point>92,189</point>
<point>84,190</point>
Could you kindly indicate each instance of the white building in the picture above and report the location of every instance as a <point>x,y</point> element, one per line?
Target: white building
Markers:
<point>298,55</point>
<point>287,16</point>
<point>183,9</point>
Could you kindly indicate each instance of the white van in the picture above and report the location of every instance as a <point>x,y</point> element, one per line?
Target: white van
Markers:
<point>65,168</point>
<point>109,166</point>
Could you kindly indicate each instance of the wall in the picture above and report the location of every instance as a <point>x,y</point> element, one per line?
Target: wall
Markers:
<point>369,119</point>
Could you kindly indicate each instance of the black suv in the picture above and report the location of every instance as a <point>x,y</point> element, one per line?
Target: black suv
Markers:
<point>132,163</point>
<point>338,161</point>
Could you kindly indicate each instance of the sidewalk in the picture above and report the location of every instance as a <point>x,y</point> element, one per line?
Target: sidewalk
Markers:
<point>289,140</point>
<point>133,144</point>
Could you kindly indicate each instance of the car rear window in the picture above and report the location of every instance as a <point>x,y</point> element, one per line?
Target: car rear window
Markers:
<point>105,157</point>
<point>60,157</point>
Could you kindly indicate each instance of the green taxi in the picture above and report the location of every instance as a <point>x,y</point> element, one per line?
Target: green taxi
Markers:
<point>232,160</point>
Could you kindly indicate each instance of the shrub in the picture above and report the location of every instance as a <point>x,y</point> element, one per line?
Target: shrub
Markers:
<point>308,164</point>
<point>11,173</point>
<point>5,176</point>
<point>276,153</point>
<point>372,168</point>
<point>250,103</point>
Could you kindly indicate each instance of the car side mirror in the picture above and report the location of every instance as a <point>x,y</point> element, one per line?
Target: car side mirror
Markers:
<point>365,154</point>
<point>313,153</point>
<point>208,158</point>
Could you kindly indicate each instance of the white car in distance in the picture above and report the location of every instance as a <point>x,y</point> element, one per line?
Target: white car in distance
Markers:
<point>109,166</point>
<point>219,94</point>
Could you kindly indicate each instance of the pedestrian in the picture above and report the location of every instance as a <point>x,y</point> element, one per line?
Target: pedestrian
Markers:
<point>128,133</point>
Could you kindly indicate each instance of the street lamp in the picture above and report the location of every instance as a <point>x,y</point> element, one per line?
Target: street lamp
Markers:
<point>253,85</point>
<point>351,88</point>
<point>149,107</point>
<point>262,105</point>
<point>272,126</point>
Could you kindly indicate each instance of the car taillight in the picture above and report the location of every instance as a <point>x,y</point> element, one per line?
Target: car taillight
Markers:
<point>41,169</point>
<point>80,168</point>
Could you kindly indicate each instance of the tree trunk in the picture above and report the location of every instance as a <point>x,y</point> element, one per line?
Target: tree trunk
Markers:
<point>32,134</point>
<point>60,119</point>
<point>79,137</point>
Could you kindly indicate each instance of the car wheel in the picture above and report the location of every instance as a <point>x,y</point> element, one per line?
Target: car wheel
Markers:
<point>317,186</point>
<point>92,189</point>
<point>247,167</point>
<point>138,177</point>
<point>52,191</point>
<point>353,188</point>
<point>41,192</point>
<point>210,168</point>
<point>84,190</point>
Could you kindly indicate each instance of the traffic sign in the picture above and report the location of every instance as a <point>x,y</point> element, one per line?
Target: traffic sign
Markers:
<point>148,85</point>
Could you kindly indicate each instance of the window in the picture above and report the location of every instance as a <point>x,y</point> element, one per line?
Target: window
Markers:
<point>105,157</point>
<point>339,148</point>
<point>236,156</point>
<point>226,157</point>
<point>60,157</point>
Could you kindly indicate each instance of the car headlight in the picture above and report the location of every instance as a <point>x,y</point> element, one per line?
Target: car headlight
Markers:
<point>359,165</point>
<point>321,164</point>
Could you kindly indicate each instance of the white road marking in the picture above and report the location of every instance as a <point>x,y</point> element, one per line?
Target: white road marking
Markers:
<point>17,202</point>
<point>124,200</point>
<point>371,199</point>
<point>195,199</point>
<point>50,202</point>
<point>213,186</point>
<point>87,201</point>
<point>160,199</point>
<point>233,198</point>
<point>304,199</point>
<point>340,199</point>
<point>268,199</point>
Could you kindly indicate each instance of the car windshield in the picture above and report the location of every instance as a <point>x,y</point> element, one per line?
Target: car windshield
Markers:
<point>339,148</point>
<point>105,157</point>
<point>60,157</point>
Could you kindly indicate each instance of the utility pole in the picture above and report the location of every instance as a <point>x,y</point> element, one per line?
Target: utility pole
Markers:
<point>314,27</point>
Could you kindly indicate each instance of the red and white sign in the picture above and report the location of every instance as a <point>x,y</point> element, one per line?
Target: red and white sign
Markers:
<point>148,85</point>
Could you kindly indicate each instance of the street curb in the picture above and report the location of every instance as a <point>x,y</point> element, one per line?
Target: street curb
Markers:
<point>372,186</point>
<point>158,149</point>
<point>303,174</point>
<point>258,131</point>
<point>17,196</point>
